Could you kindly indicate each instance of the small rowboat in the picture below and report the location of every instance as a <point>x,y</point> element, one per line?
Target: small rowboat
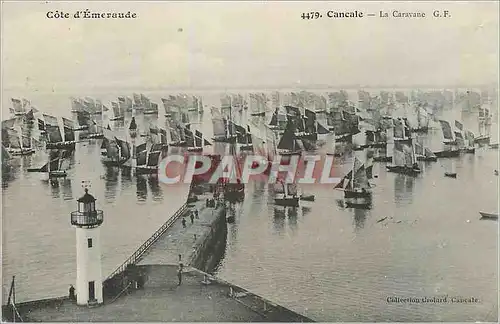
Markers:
<point>485,215</point>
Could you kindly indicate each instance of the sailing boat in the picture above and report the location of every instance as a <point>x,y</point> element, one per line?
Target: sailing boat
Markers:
<point>55,138</point>
<point>355,184</point>
<point>484,124</point>
<point>288,144</point>
<point>449,141</point>
<point>244,138</point>
<point>117,152</point>
<point>288,195</point>
<point>118,111</point>
<point>147,161</point>
<point>451,173</point>
<point>56,166</point>
<point>19,107</point>
<point>195,141</point>
<point>423,153</point>
<point>422,121</point>
<point>151,108</point>
<point>404,160</point>
<point>17,143</point>
<point>257,105</point>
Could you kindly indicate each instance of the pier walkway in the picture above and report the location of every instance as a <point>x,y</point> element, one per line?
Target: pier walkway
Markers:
<point>179,240</point>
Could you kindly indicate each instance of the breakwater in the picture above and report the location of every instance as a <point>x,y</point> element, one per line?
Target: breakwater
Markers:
<point>199,243</point>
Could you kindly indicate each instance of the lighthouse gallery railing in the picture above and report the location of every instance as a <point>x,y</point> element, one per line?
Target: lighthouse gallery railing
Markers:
<point>136,256</point>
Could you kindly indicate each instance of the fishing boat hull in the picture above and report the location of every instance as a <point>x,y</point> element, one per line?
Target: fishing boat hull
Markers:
<point>347,138</point>
<point>91,136</point>
<point>491,216</point>
<point>246,147</point>
<point>57,174</point>
<point>307,197</point>
<point>146,170</point>
<point>117,118</point>
<point>382,159</point>
<point>447,154</point>
<point>469,150</point>
<point>287,201</point>
<point>288,153</point>
<point>230,140</point>
<point>111,162</point>
<point>358,204</point>
<point>494,146</point>
<point>420,130</point>
<point>150,112</point>
<point>404,170</point>
<point>427,158</point>
<point>70,146</point>
<point>450,174</point>
<point>168,115</point>
<point>377,145</point>
<point>357,194</point>
<point>18,152</point>
<point>195,149</point>
<point>485,140</point>
<point>261,114</point>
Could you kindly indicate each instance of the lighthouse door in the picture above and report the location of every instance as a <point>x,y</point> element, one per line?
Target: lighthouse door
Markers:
<point>91,291</point>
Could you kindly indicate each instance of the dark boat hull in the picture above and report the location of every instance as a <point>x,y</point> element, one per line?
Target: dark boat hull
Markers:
<point>450,174</point>
<point>469,150</point>
<point>307,198</point>
<point>447,154</point>
<point>91,136</point>
<point>427,158</point>
<point>57,174</point>
<point>485,140</point>
<point>358,205</point>
<point>195,149</point>
<point>403,170</point>
<point>288,202</point>
<point>117,118</point>
<point>357,194</point>
<point>382,159</point>
<point>261,114</point>
<point>494,146</point>
<point>247,147</point>
<point>421,130</point>
<point>70,146</point>
<point>146,170</point>
<point>489,216</point>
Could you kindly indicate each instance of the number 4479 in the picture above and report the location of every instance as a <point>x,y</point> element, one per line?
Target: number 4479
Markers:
<point>311,15</point>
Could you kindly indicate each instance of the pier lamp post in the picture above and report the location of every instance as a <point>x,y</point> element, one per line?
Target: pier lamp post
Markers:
<point>88,251</point>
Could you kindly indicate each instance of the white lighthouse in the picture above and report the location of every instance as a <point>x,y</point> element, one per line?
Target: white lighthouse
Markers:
<point>88,251</point>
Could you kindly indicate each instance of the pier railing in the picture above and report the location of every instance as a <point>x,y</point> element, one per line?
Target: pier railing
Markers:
<point>136,256</point>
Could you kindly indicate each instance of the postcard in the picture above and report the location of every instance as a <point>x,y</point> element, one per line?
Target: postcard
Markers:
<point>249,161</point>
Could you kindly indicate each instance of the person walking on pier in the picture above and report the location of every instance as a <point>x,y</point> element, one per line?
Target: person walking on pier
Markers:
<point>191,216</point>
<point>184,222</point>
<point>196,214</point>
<point>179,275</point>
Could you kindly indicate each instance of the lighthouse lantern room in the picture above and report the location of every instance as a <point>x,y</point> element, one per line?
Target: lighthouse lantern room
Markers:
<point>88,251</point>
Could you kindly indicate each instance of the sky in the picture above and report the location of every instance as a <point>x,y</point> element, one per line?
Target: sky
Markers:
<point>219,45</point>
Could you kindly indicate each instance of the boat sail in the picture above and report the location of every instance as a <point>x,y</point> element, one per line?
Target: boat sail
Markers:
<point>422,120</point>
<point>57,165</point>
<point>422,152</point>
<point>54,136</point>
<point>244,138</point>
<point>117,151</point>
<point>484,125</point>
<point>147,160</point>
<point>19,108</point>
<point>356,183</point>
<point>288,144</point>
<point>404,159</point>
<point>449,142</point>
<point>118,111</point>
<point>257,105</point>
